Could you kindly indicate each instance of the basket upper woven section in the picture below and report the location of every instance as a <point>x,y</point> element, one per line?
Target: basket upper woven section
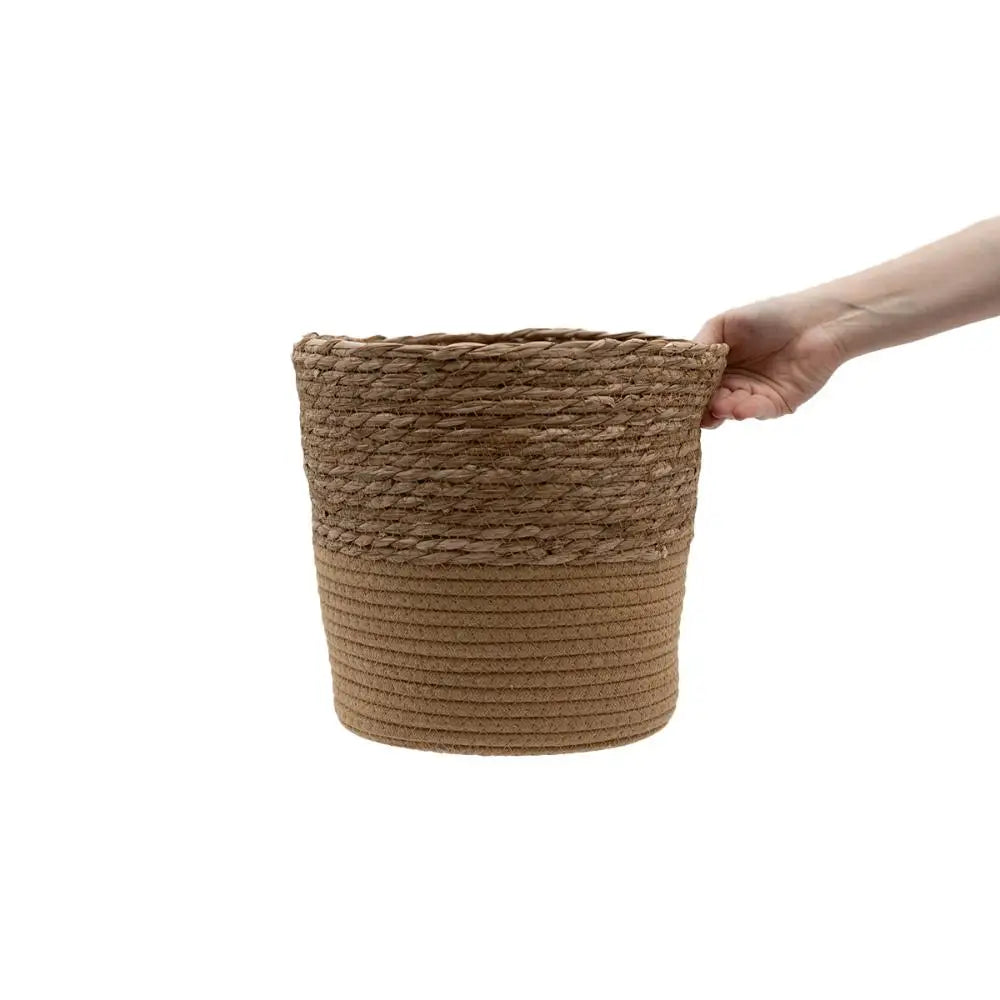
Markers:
<point>539,446</point>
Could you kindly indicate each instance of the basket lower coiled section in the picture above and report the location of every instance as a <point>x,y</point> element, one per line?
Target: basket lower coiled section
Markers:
<point>518,659</point>
<point>501,528</point>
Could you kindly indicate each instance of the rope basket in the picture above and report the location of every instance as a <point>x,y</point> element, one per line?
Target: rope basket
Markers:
<point>501,527</point>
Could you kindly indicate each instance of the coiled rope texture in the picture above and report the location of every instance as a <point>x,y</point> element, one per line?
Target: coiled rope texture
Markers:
<point>501,526</point>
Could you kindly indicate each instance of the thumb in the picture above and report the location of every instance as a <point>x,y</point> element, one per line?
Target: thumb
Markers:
<point>711,332</point>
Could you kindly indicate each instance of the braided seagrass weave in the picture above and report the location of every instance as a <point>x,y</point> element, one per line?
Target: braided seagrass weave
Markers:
<point>501,526</point>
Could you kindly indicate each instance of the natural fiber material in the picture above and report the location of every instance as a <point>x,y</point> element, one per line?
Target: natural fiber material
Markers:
<point>501,526</point>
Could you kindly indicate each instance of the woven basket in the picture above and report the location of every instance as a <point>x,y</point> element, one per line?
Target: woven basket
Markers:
<point>501,527</point>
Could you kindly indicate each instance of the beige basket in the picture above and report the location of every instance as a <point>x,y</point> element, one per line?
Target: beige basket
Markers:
<point>501,527</point>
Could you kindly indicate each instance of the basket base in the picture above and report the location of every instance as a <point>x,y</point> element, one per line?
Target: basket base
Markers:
<point>496,751</point>
<point>502,660</point>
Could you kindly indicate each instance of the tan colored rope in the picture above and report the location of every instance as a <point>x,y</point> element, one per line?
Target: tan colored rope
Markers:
<point>498,666</point>
<point>533,447</point>
<point>501,526</point>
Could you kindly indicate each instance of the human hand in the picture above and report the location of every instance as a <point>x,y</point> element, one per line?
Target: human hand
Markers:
<point>781,352</point>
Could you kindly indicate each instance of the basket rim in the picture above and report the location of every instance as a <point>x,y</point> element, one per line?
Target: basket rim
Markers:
<point>532,339</point>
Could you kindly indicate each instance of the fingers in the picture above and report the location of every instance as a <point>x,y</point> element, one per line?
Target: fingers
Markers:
<point>738,404</point>
<point>717,410</point>
<point>743,396</point>
<point>722,402</point>
<point>710,333</point>
<point>755,408</point>
<point>733,402</point>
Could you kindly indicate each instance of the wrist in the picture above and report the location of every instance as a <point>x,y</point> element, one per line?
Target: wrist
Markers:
<point>859,325</point>
<point>838,315</point>
<point>938,287</point>
<point>858,315</point>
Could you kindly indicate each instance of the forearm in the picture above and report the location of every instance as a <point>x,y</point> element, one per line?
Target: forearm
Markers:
<point>946,284</point>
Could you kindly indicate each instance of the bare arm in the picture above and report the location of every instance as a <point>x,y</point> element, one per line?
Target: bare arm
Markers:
<point>943,285</point>
<point>783,350</point>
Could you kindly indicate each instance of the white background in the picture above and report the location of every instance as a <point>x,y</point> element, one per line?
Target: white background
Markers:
<point>190,187</point>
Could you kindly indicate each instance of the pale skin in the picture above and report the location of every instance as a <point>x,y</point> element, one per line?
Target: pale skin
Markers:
<point>783,350</point>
